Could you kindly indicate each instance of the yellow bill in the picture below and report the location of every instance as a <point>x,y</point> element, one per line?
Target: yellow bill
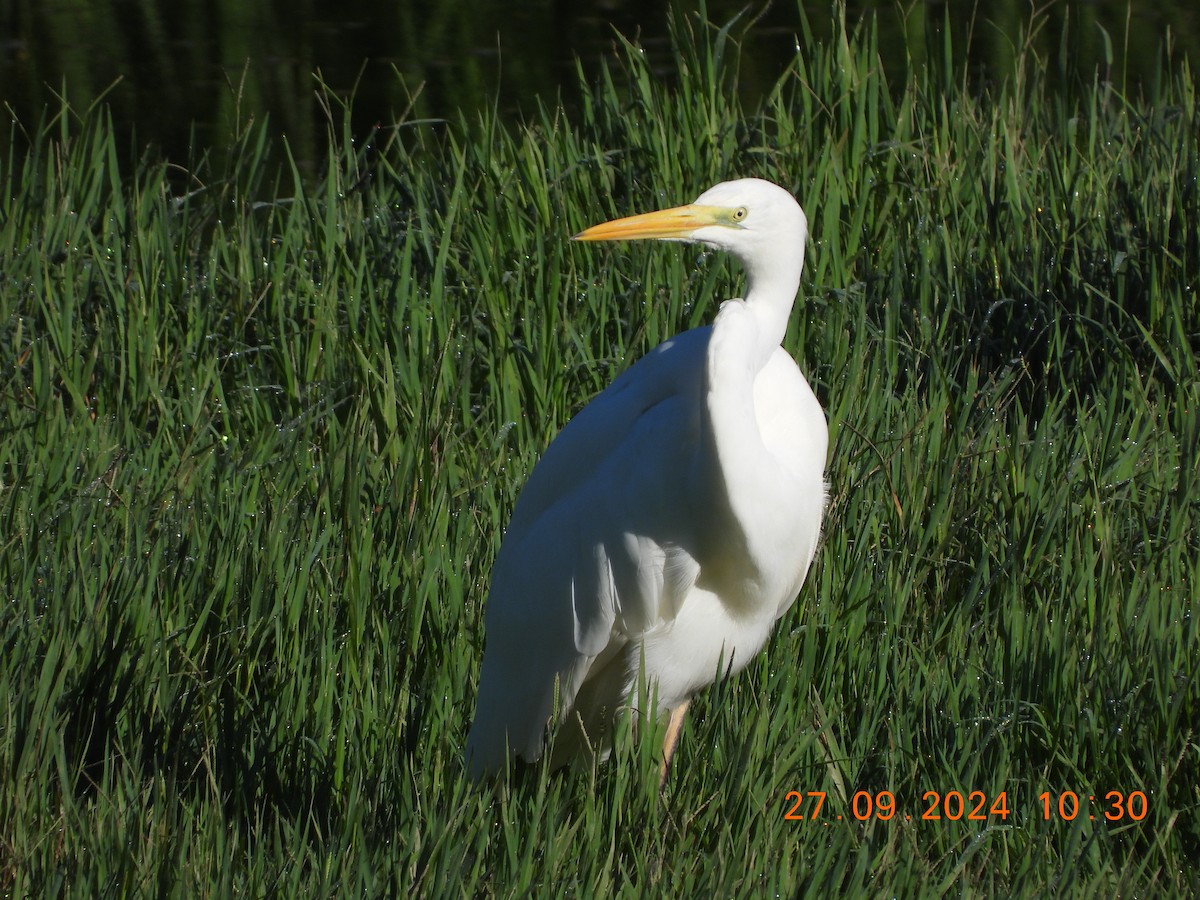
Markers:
<point>677,223</point>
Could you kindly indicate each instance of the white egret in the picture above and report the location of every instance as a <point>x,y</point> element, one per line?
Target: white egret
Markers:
<point>673,520</point>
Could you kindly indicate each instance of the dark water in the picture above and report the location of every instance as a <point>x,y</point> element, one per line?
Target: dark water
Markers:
<point>179,73</point>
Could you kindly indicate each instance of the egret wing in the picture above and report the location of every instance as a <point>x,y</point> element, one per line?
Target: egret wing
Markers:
<point>599,549</point>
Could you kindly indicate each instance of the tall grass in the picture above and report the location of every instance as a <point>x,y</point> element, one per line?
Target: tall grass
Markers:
<point>261,435</point>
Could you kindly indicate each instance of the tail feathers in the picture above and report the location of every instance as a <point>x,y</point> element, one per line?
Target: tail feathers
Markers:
<point>516,702</point>
<point>506,724</point>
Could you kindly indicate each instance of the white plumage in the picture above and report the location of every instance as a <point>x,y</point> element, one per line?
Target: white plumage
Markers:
<point>673,520</point>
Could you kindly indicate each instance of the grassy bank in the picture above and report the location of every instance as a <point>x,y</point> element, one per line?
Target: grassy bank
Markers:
<point>260,436</point>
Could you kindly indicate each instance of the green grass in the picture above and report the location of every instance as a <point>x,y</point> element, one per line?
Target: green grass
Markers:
<point>261,434</point>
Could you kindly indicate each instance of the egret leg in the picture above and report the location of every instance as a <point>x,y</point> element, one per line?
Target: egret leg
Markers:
<point>674,726</point>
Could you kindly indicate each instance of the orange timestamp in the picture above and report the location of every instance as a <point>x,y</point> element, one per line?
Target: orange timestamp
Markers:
<point>972,806</point>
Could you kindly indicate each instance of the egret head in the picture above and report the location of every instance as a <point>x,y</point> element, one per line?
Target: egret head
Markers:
<point>755,220</point>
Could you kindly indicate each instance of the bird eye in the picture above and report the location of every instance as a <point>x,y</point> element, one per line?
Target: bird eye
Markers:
<point>740,213</point>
